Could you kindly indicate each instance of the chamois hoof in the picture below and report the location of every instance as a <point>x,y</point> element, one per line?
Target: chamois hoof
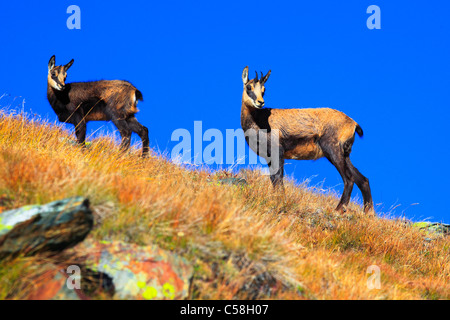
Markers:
<point>340,209</point>
<point>370,211</point>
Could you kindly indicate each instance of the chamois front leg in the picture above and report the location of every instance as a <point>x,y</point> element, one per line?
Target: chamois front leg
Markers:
<point>276,169</point>
<point>80,132</point>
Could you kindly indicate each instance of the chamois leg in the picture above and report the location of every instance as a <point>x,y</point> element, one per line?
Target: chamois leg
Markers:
<point>125,132</point>
<point>277,173</point>
<point>335,154</point>
<point>269,148</point>
<point>80,132</point>
<point>142,131</point>
<point>363,184</point>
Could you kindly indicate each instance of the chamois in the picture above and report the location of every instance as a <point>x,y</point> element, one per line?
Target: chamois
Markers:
<point>303,134</point>
<point>80,102</point>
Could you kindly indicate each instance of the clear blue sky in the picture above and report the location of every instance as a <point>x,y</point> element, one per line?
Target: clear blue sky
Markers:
<point>187,58</point>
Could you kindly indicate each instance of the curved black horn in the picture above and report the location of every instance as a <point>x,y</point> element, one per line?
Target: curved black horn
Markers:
<point>256,78</point>
<point>264,78</point>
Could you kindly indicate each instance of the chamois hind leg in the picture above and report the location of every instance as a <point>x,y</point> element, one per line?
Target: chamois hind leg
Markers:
<point>334,152</point>
<point>142,131</point>
<point>363,184</point>
<point>125,132</point>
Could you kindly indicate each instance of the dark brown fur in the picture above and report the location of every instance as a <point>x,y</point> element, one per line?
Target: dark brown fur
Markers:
<point>80,102</point>
<point>304,134</point>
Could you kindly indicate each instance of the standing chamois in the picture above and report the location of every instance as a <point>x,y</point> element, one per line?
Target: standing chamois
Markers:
<point>303,134</point>
<point>80,102</point>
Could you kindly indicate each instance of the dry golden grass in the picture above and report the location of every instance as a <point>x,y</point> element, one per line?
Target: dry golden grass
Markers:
<point>241,240</point>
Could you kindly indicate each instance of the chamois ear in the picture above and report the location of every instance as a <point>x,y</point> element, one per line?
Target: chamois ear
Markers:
<point>51,63</point>
<point>67,66</point>
<point>266,77</point>
<point>245,75</point>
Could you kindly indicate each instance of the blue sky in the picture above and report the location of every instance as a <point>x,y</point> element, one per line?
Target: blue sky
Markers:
<point>187,58</point>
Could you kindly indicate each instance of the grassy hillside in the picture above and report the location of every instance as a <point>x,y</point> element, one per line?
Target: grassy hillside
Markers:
<point>240,239</point>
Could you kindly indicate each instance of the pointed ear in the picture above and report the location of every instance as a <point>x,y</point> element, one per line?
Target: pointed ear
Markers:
<point>245,75</point>
<point>51,63</point>
<point>67,66</point>
<point>266,77</point>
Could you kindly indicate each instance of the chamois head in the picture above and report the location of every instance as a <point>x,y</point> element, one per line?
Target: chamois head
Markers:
<point>254,89</point>
<point>57,74</point>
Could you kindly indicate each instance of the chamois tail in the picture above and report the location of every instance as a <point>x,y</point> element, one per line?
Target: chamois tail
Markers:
<point>359,131</point>
<point>139,95</point>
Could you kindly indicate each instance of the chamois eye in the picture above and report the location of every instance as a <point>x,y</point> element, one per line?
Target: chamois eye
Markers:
<point>249,88</point>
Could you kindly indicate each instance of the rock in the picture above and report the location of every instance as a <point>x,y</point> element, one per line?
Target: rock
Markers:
<point>436,227</point>
<point>262,284</point>
<point>74,142</point>
<point>138,272</point>
<point>233,181</point>
<point>70,283</point>
<point>61,283</point>
<point>215,265</point>
<point>51,284</point>
<point>52,227</point>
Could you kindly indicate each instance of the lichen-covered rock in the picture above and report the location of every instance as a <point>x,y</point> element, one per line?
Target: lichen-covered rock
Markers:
<point>51,284</point>
<point>233,181</point>
<point>139,272</point>
<point>74,142</point>
<point>52,227</point>
<point>434,227</point>
<point>69,282</point>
